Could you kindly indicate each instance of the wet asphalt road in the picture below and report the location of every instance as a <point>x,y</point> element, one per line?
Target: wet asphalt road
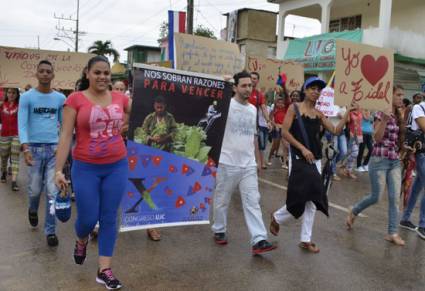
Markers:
<point>187,258</point>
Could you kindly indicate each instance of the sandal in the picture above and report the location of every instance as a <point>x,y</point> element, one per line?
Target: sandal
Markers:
<point>274,226</point>
<point>154,234</point>
<point>350,220</point>
<point>395,239</point>
<point>310,247</point>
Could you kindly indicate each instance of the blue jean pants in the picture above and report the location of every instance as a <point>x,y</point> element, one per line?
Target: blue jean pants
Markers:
<point>383,172</point>
<point>340,144</point>
<point>41,177</point>
<point>417,189</point>
<point>263,133</point>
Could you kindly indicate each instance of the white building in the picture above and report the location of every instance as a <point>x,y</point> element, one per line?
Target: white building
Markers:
<point>396,24</point>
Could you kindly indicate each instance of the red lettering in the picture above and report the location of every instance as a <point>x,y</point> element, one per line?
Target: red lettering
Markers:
<point>155,84</point>
<point>199,91</point>
<point>146,83</point>
<point>163,86</point>
<point>213,93</point>
<point>172,88</point>
<point>220,94</point>
<point>206,91</point>
<point>184,88</point>
<point>191,90</point>
<point>358,93</point>
<point>343,88</point>
<point>352,60</point>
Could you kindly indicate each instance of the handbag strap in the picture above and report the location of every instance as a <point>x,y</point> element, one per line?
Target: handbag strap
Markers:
<point>301,126</point>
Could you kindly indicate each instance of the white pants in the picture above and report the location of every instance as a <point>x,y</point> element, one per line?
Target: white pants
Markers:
<point>228,178</point>
<point>282,214</point>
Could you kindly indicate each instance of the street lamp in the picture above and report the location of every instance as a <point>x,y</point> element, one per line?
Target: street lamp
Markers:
<point>67,43</point>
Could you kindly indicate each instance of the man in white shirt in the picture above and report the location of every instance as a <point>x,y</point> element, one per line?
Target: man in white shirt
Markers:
<point>417,122</point>
<point>237,168</point>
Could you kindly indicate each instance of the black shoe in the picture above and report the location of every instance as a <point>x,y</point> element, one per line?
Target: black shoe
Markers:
<point>262,246</point>
<point>408,225</point>
<point>80,252</point>
<point>33,217</point>
<point>108,279</point>
<point>421,232</point>
<point>15,186</point>
<point>52,240</point>
<point>3,177</point>
<point>220,238</point>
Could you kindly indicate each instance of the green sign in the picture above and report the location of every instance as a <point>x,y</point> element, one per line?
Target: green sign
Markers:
<point>317,53</point>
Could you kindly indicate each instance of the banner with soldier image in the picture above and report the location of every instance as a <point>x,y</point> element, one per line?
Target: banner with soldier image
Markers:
<point>175,135</point>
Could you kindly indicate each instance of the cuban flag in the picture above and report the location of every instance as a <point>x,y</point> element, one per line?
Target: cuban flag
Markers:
<point>176,23</point>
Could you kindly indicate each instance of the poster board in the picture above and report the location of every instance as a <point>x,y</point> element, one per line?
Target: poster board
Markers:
<point>18,67</point>
<point>205,55</point>
<point>171,182</point>
<point>269,70</point>
<point>325,104</point>
<point>364,74</point>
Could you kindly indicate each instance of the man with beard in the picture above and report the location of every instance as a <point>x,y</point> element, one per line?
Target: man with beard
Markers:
<point>237,168</point>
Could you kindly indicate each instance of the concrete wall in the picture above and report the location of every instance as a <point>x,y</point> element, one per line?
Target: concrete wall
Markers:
<point>370,13</point>
<point>258,25</point>
<point>257,48</point>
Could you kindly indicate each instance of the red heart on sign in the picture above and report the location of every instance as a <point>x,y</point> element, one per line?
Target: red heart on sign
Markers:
<point>373,70</point>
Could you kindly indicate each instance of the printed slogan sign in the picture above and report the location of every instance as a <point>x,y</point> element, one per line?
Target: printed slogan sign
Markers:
<point>18,67</point>
<point>363,74</point>
<point>269,70</point>
<point>206,55</point>
<point>325,104</point>
<point>176,130</point>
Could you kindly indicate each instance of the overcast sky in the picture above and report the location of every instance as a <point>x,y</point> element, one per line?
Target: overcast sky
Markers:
<point>124,22</point>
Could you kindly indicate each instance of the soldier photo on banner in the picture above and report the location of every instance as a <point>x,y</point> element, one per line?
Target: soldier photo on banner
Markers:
<point>175,136</point>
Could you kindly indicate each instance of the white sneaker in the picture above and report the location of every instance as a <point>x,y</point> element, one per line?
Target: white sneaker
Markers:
<point>366,168</point>
<point>360,169</point>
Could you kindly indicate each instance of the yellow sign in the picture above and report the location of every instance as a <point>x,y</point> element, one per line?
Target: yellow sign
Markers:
<point>206,55</point>
<point>364,74</point>
<point>18,67</point>
<point>269,70</point>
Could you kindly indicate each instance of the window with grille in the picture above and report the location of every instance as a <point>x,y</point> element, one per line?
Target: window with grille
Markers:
<point>345,23</point>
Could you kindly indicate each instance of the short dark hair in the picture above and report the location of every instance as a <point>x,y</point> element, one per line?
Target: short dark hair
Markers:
<point>397,87</point>
<point>160,99</point>
<point>45,62</point>
<point>406,102</point>
<point>241,75</point>
<point>256,74</point>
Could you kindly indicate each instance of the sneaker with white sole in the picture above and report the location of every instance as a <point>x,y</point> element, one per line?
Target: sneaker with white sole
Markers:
<point>408,225</point>
<point>360,169</point>
<point>107,278</point>
<point>366,168</point>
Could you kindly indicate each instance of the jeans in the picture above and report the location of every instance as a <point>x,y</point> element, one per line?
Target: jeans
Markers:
<point>41,177</point>
<point>98,192</point>
<point>340,143</point>
<point>263,133</point>
<point>417,189</point>
<point>228,178</point>
<point>383,172</point>
<point>367,142</point>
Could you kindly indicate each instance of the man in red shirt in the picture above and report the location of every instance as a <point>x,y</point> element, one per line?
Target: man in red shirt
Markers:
<point>259,101</point>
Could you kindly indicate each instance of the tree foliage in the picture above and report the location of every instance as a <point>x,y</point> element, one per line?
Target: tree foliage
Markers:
<point>200,30</point>
<point>104,49</point>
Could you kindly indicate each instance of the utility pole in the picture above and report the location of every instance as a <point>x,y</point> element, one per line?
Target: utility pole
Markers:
<point>190,16</point>
<point>64,33</point>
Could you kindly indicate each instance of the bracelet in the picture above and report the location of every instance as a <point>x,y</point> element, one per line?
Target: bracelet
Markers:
<point>59,172</point>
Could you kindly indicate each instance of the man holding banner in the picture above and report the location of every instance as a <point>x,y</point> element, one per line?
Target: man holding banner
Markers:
<point>237,168</point>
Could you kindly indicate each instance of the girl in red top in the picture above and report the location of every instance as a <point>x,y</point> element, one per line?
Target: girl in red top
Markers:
<point>100,169</point>
<point>278,115</point>
<point>9,140</point>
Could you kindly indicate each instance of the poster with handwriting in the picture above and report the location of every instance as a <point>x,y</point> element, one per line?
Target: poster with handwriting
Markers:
<point>269,70</point>
<point>176,131</point>
<point>325,104</point>
<point>206,55</point>
<point>18,67</point>
<point>363,74</point>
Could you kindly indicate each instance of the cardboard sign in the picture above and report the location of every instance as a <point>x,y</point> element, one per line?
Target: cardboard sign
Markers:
<point>269,70</point>
<point>364,74</point>
<point>325,104</point>
<point>18,67</point>
<point>206,55</point>
<point>172,161</point>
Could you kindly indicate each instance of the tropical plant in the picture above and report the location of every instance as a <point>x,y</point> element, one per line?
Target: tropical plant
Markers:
<point>104,49</point>
<point>199,31</point>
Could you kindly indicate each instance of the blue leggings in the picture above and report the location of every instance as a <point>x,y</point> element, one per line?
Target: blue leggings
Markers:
<point>98,192</point>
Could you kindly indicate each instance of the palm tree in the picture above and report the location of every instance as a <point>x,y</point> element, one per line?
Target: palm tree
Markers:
<point>104,48</point>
